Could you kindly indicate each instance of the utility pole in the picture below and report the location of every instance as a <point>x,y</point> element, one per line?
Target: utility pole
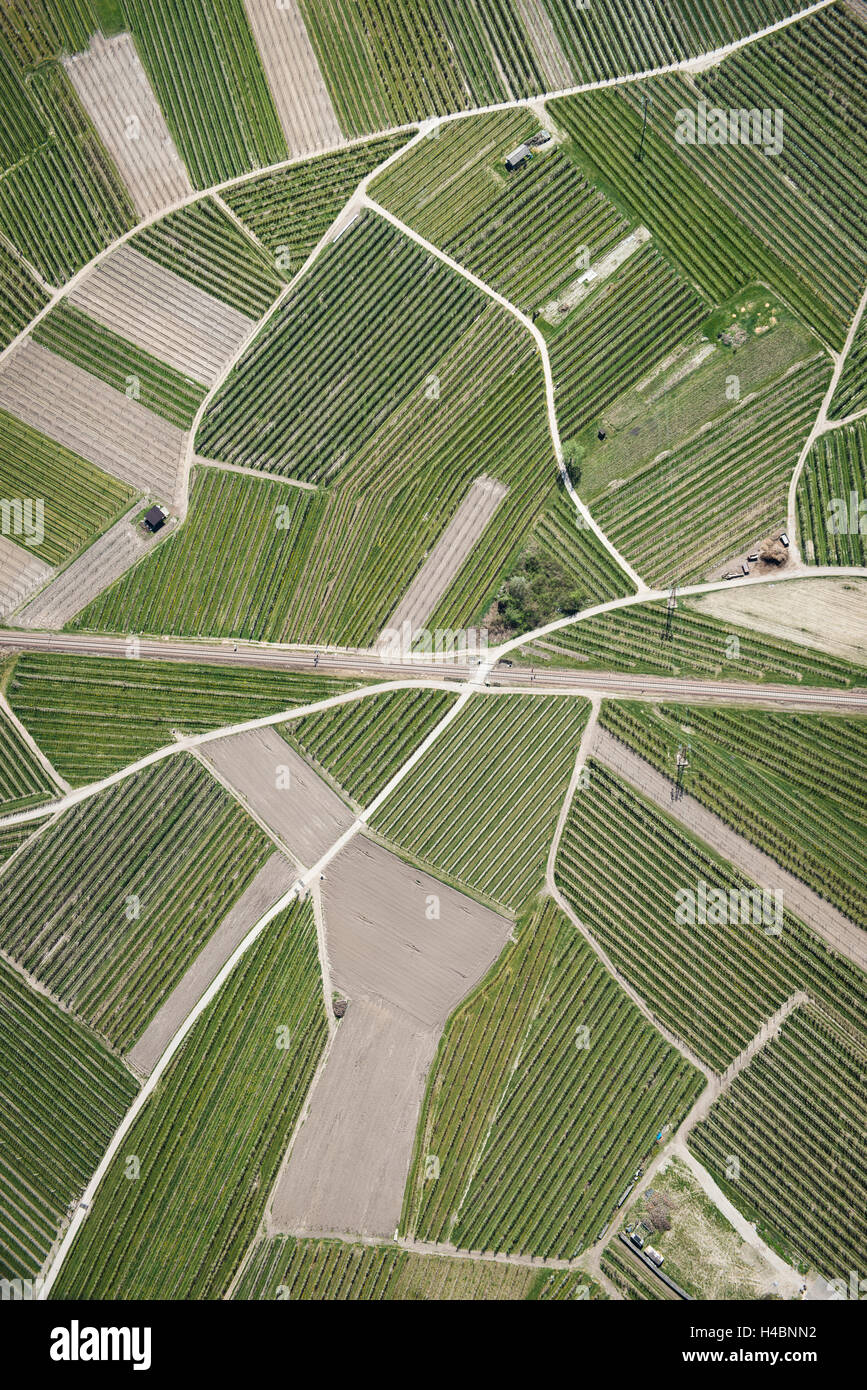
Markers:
<point>645,103</point>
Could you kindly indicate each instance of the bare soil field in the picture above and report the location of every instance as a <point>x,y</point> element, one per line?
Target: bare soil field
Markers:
<point>269,885</point>
<point>118,97</point>
<point>830,614</point>
<point>20,574</point>
<point>297,86</point>
<point>303,812</point>
<point>163,314</point>
<point>91,418</point>
<point>449,553</point>
<point>116,551</point>
<point>382,940</point>
<point>553,61</point>
<point>347,1168</point>
<point>403,970</point>
<point>822,917</point>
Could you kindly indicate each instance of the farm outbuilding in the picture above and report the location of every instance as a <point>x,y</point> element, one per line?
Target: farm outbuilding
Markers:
<point>517,157</point>
<point>155,518</point>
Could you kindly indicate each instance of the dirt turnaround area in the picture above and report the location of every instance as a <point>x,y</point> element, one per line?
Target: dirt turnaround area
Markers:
<point>405,949</point>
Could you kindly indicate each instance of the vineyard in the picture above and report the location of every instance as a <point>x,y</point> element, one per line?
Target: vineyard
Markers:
<point>291,209</point>
<point>111,936</point>
<point>518,231</point>
<point>631,1276</point>
<point>579,552</point>
<point>638,315</point>
<point>293,1270</point>
<point>789,783</point>
<point>392,502</point>
<point>203,244</point>
<point>80,339</point>
<point>20,296</point>
<point>851,393</point>
<point>661,520</point>
<point>94,715</point>
<point>481,806</point>
<point>12,837</point>
<point>34,30</point>
<point>621,864</point>
<point>630,639</point>
<point>548,1089</point>
<point>64,201</point>
<point>204,67</point>
<point>231,570</point>
<point>62,1096</point>
<point>79,499</point>
<point>832,515</point>
<point>399,311</point>
<point>803,1181</point>
<point>360,746</point>
<point>23,780</point>
<point>241,1075</point>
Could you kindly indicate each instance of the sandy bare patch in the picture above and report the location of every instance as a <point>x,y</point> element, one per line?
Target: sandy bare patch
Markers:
<point>404,971</point>
<point>282,790</point>
<point>293,74</point>
<point>449,553</point>
<point>540,31</point>
<point>20,573</point>
<point>382,941</point>
<point>269,885</point>
<point>116,551</point>
<point>349,1163</point>
<point>163,314</point>
<point>91,418</point>
<point>118,97</point>
<point>822,917</point>
<point>555,311</point>
<point>830,614</point>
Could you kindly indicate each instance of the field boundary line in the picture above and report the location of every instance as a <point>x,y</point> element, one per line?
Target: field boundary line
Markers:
<point>586,519</point>
<point>25,734</point>
<point>821,425</point>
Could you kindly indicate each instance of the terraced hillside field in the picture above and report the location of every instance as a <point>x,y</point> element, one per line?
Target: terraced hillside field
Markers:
<point>181,1230</point>
<point>63,1095</point>
<point>112,939</point>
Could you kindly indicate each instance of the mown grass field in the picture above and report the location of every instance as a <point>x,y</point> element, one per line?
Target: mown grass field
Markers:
<point>789,783</point>
<point>111,936</point>
<point>63,1095</point>
<point>481,805</point>
<point>630,639</point>
<point>621,864</point>
<point>802,1181</point>
<point>548,1088</point>
<point>291,1270</point>
<point>80,501</point>
<point>361,745</point>
<point>95,715</point>
<point>74,335</point>
<point>211,1139</point>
